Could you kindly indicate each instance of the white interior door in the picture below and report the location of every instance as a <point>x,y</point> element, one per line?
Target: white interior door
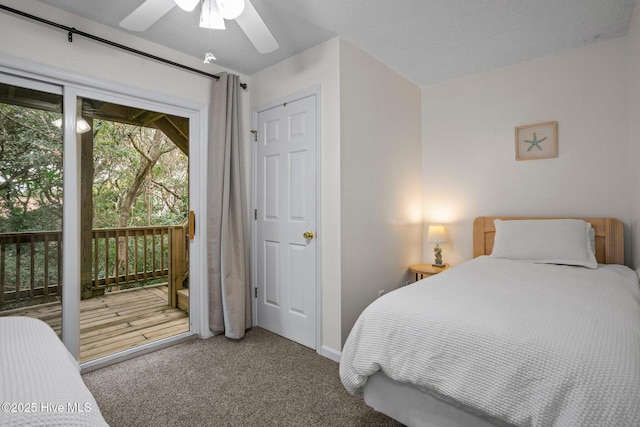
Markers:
<point>286,214</point>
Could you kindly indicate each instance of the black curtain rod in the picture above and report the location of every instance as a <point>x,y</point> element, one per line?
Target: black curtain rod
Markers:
<point>71,31</point>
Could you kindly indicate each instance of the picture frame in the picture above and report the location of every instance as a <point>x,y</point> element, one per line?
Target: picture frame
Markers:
<point>537,141</point>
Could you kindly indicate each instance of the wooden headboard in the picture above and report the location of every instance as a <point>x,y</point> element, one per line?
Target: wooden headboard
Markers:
<point>609,237</point>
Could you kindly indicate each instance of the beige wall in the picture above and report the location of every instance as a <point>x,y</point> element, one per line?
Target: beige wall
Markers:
<point>317,66</point>
<point>468,132</point>
<point>380,180</point>
<point>634,134</point>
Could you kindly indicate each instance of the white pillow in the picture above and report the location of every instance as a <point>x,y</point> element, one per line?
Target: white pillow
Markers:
<point>549,241</point>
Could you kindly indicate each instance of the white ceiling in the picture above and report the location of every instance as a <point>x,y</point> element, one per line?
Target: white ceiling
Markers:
<point>427,41</point>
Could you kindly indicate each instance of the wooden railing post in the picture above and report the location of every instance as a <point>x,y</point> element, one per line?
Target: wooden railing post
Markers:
<point>177,267</point>
<point>86,214</point>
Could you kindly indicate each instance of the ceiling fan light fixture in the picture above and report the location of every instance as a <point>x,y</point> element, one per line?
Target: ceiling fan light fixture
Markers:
<point>210,16</point>
<point>230,9</point>
<point>187,5</point>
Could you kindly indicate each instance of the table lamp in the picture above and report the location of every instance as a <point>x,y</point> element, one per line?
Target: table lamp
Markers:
<point>436,234</point>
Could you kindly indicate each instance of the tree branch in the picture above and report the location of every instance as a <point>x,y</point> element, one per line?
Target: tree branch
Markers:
<point>165,188</point>
<point>138,149</point>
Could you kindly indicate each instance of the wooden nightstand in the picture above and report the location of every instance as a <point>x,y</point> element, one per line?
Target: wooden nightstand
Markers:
<point>426,270</point>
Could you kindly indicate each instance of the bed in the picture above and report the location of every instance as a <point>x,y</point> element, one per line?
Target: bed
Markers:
<point>40,382</point>
<point>522,334</point>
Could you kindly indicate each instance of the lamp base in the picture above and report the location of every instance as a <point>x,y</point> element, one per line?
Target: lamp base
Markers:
<point>439,265</point>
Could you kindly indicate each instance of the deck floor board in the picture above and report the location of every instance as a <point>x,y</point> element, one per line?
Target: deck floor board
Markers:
<point>116,321</point>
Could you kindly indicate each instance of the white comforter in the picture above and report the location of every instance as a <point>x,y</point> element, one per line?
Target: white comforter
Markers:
<point>40,384</point>
<point>529,344</point>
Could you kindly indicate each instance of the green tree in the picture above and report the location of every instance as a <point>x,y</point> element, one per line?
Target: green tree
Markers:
<point>140,177</point>
<point>30,170</point>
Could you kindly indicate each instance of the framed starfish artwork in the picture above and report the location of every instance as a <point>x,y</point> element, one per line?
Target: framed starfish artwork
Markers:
<point>538,141</point>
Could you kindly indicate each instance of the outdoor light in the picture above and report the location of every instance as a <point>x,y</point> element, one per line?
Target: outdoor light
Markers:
<point>81,125</point>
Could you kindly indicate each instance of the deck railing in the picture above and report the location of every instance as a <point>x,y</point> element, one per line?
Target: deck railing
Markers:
<point>30,265</point>
<point>31,262</point>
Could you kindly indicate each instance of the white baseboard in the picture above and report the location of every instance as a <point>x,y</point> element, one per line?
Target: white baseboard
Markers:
<point>330,353</point>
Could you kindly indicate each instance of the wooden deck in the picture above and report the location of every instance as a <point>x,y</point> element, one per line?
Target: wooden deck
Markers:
<point>117,321</point>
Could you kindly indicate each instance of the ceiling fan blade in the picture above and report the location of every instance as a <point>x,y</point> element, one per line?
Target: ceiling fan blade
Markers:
<point>147,14</point>
<point>256,30</point>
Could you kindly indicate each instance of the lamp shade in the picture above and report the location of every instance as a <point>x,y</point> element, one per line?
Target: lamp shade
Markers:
<point>436,234</point>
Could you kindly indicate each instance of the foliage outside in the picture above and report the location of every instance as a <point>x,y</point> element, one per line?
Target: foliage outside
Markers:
<point>140,179</point>
<point>119,152</point>
<point>30,170</point>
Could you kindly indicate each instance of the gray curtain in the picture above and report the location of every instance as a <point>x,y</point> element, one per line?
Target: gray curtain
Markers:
<point>228,273</point>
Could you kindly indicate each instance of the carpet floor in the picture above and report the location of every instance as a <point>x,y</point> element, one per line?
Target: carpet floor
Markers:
<point>261,380</point>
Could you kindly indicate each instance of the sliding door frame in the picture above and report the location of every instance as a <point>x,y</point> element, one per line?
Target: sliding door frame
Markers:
<point>70,225</point>
<point>76,86</point>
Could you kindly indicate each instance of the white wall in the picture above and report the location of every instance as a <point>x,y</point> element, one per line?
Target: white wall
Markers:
<point>380,180</point>
<point>468,135</point>
<point>634,134</point>
<point>317,66</point>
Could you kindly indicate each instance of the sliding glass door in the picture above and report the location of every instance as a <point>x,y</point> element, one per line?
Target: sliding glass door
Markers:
<point>31,200</point>
<point>108,176</point>
<point>134,207</point>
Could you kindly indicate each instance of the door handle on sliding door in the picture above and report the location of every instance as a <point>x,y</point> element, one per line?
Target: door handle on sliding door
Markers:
<point>192,224</point>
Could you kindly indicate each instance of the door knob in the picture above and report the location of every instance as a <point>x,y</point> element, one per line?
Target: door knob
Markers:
<point>308,235</point>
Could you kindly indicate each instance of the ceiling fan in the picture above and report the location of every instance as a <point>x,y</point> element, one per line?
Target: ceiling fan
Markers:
<point>213,14</point>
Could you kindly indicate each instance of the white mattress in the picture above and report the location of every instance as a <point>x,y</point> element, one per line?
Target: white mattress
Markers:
<point>40,383</point>
<point>528,344</point>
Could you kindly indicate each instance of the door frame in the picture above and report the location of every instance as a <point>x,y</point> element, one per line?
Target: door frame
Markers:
<point>314,90</point>
<point>79,85</point>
